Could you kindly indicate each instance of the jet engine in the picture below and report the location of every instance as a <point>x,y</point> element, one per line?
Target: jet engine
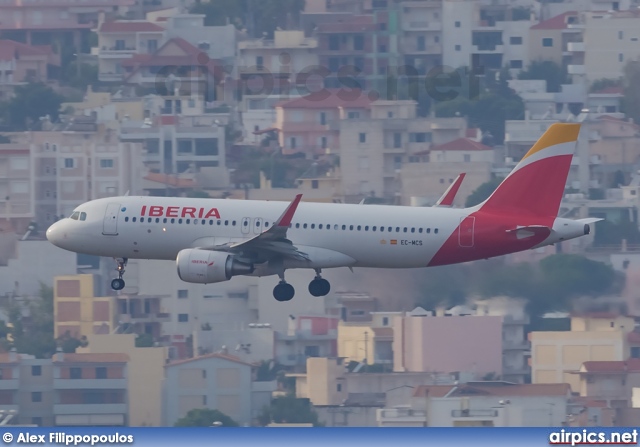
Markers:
<point>206,267</point>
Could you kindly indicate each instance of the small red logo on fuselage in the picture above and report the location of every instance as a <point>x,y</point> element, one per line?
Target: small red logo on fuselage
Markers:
<point>179,211</point>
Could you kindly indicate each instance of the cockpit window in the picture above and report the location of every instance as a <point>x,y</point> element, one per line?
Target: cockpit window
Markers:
<point>83,216</point>
<point>75,215</point>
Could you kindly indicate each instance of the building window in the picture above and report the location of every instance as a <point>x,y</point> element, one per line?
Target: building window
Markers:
<point>397,140</point>
<point>101,372</point>
<point>457,24</point>
<point>467,158</point>
<point>514,40</point>
<point>620,57</point>
<point>75,373</point>
<point>458,48</point>
<point>183,318</point>
<point>385,321</point>
<point>292,142</point>
<point>362,137</point>
<point>635,352</point>
<point>323,142</point>
<point>339,387</point>
<point>36,370</point>
<point>323,118</point>
<point>353,115</point>
<point>620,35</point>
<point>183,293</point>
<point>68,162</point>
<point>515,64</point>
<point>106,163</point>
<point>37,421</point>
<point>36,396</point>
<point>547,42</point>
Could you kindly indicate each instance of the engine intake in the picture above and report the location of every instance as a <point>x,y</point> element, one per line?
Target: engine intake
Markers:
<point>207,267</point>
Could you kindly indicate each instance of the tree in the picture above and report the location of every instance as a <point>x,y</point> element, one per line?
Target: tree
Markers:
<point>32,323</point>
<point>441,287</point>
<point>549,71</point>
<point>289,409</point>
<point>483,192</point>
<point>144,341</point>
<point>631,99</point>
<point>204,417</point>
<point>258,17</point>
<point>80,78</point>
<point>29,104</point>
<point>600,84</point>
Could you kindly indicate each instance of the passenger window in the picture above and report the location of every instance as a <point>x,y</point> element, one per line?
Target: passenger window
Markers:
<point>336,227</point>
<point>405,229</point>
<point>304,226</point>
<point>266,225</point>
<point>133,220</point>
<point>397,229</point>
<point>435,231</point>
<point>164,220</point>
<point>204,222</point>
<point>428,230</point>
<point>83,216</point>
<point>344,227</point>
<point>366,228</point>
<point>419,230</point>
<point>226,222</point>
<point>359,227</point>
<point>373,229</point>
<point>211,222</point>
<point>195,221</point>
<point>188,221</point>
<point>297,225</point>
<point>313,226</point>
<point>413,230</point>
<point>328,226</point>
<point>157,220</point>
<point>179,221</point>
<point>219,222</point>
<point>173,221</point>
<point>126,219</point>
<point>233,223</point>
<point>390,229</point>
<point>351,227</point>
<point>381,228</point>
<point>320,227</point>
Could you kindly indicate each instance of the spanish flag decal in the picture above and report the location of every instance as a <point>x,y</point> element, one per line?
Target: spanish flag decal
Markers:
<point>394,242</point>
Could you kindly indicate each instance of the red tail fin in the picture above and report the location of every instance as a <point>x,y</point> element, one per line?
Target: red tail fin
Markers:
<point>536,185</point>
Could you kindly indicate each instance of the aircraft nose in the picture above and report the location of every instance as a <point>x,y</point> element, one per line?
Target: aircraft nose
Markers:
<point>55,234</point>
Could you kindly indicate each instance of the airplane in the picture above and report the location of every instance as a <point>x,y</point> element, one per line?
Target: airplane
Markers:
<point>213,240</point>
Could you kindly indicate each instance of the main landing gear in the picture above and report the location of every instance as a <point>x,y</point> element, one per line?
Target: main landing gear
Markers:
<point>118,283</point>
<point>319,286</point>
<point>285,291</point>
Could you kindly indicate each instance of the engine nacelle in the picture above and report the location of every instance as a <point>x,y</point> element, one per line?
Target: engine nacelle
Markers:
<point>206,267</point>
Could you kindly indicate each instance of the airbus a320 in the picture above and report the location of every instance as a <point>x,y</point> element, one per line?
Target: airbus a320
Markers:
<point>213,240</point>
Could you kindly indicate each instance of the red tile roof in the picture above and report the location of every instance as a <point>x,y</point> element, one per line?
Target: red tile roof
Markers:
<point>602,315</point>
<point>353,24</point>
<point>94,358</point>
<point>471,132</point>
<point>228,357</point>
<point>348,99</point>
<point>6,356</point>
<point>129,26</point>
<point>631,365</point>
<point>557,22</point>
<point>383,331</point>
<point>461,144</point>
<point>9,49</point>
<point>493,389</point>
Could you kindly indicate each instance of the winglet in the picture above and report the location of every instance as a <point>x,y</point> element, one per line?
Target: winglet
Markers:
<point>287,216</point>
<point>450,194</point>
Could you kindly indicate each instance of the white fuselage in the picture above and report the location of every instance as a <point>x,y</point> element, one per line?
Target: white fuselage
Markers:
<point>333,235</point>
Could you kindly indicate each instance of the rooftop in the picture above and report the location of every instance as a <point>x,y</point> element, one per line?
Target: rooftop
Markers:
<point>622,366</point>
<point>557,22</point>
<point>215,355</point>
<point>129,26</point>
<point>461,144</point>
<point>337,98</point>
<point>10,50</point>
<point>493,389</point>
<point>92,358</point>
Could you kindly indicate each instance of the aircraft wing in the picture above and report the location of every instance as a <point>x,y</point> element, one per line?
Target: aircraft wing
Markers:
<point>450,194</point>
<point>272,241</point>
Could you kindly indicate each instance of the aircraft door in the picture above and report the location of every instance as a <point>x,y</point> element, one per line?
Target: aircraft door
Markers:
<point>246,225</point>
<point>466,231</point>
<point>110,223</point>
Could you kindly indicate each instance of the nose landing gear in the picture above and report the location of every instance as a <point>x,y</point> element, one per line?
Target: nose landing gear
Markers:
<point>118,283</point>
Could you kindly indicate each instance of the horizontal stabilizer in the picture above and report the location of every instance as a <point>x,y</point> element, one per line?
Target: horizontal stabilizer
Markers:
<point>450,194</point>
<point>523,232</point>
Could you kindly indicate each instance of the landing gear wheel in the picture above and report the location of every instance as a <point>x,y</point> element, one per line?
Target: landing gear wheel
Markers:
<point>283,291</point>
<point>117,284</point>
<point>319,287</point>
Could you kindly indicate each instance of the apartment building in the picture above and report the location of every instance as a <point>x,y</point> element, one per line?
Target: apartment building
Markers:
<point>89,389</point>
<point>421,40</point>
<point>40,23</point>
<point>307,336</point>
<point>119,40</point>
<point>609,39</point>
<point>482,404</point>
<point>310,124</point>
<point>593,337</point>
<point>21,63</point>
<point>178,142</point>
<point>215,381</point>
<point>17,192</point>
<point>430,172</point>
<point>555,38</point>
<point>368,342</point>
<point>485,36</point>
<point>75,162</point>
<point>422,342</point>
<point>376,148</point>
<point>145,375</point>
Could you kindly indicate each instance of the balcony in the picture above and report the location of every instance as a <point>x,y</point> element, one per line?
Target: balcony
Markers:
<point>515,345</point>
<point>474,413</point>
<point>93,384</point>
<point>576,47</point>
<point>413,48</point>
<point>118,53</point>
<point>9,384</point>
<point>516,321</point>
<point>401,417</point>
<point>421,25</point>
<point>110,77</point>
<point>60,409</point>
<point>576,69</point>
<point>487,49</point>
<point>157,317</point>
